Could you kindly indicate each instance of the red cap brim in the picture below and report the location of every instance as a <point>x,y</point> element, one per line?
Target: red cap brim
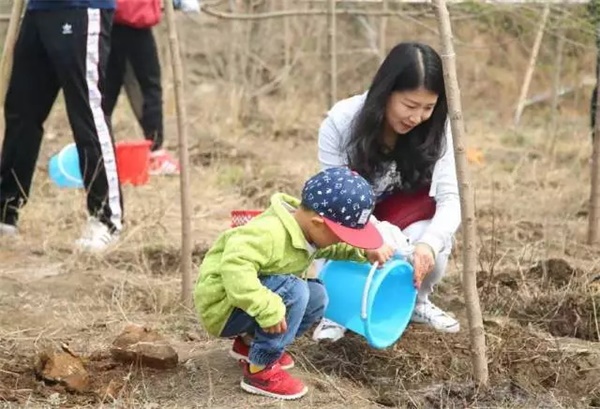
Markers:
<point>367,238</point>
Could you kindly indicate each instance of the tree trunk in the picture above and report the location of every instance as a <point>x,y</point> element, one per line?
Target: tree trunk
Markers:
<point>287,37</point>
<point>476,329</point>
<point>556,87</point>
<point>383,30</point>
<point>531,67</point>
<point>332,51</point>
<point>186,208</point>
<point>594,216</point>
<point>7,54</point>
<point>9,46</point>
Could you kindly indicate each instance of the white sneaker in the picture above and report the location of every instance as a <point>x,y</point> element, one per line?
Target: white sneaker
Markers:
<point>328,330</point>
<point>96,236</point>
<point>426,312</point>
<point>8,230</point>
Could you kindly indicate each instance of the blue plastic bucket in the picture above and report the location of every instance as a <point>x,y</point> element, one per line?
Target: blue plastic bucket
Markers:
<point>375,303</point>
<point>63,168</point>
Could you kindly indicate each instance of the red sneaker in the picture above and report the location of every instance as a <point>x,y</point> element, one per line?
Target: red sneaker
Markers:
<point>273,382</point>
<point>240,351</point>
<point>163,163</point>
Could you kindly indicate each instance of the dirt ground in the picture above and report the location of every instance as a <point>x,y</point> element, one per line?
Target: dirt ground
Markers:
<point>539,283</point>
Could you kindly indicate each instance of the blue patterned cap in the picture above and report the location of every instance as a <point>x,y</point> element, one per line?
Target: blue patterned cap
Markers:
<point>345,200</point>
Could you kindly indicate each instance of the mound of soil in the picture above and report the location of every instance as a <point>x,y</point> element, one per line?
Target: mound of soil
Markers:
<point>545,275</point>
<point>528,231</point>
<point>260,187</point>
<point>519,361</point>
<point>552,295</point>
<point>567,314</point>
<point>157,260</point>
<point>212,150</point>
<point>498,293</point>
<point>554,272</point>
<point>455,395</point>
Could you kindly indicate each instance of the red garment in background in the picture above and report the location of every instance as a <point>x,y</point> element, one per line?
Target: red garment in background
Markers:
<point>138,13</point>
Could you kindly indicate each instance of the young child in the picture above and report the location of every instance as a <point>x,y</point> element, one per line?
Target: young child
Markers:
<point>252,282</point>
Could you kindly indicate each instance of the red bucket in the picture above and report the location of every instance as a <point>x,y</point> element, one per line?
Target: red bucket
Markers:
<point>241,217</point>
<point>133,161</point>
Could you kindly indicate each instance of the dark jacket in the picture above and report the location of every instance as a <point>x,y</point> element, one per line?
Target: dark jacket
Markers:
<point>70,4</point>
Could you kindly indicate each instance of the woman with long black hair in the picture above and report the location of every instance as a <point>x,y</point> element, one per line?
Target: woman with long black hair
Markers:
<point>397,136</point>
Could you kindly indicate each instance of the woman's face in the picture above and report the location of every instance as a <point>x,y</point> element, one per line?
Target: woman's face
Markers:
<point>407,109</point>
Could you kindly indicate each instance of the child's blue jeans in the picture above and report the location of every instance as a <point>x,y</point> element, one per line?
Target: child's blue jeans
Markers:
<point>305,302</point>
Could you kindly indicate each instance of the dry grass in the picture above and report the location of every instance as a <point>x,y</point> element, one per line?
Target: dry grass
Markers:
<point>536,281</point>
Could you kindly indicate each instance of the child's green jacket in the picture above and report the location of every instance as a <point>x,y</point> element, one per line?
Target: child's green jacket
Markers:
<point>271,243</point>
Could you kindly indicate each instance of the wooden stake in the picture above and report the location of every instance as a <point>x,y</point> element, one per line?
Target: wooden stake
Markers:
<point>332,50</point>
<point>186,208</point>
<point>467,198</point>
<point>8,50</point>
<point>556,89</point>
<point>594,215</point>
<point>531,66</point>
<point>233,63</point>
<point>287,40</point>
<point>382,30</point>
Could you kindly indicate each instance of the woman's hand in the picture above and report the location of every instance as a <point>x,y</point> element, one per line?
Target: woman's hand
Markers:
<point>278,328</point>
<point>381,255</point>
<point>423,262</point>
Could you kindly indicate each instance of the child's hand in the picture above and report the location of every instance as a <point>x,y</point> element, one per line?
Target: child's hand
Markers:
<point>381,255</point>
<point>279,328</point>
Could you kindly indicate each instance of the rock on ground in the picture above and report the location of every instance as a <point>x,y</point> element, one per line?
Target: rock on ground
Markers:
<point>143,345</point>
<point>63,367</point>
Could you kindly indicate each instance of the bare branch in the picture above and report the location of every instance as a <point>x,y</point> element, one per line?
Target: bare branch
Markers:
<point>296,13</point>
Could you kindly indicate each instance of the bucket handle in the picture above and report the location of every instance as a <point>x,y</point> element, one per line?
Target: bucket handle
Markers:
<point>62,168</point>
<point>363,310</point>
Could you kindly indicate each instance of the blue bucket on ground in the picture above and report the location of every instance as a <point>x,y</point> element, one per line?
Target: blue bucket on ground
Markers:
<point>63,168</point>
<point>375,303</point>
